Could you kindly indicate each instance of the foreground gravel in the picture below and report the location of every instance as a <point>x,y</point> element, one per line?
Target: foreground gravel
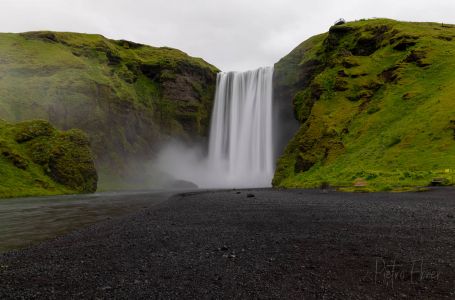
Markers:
<point>252,244</point>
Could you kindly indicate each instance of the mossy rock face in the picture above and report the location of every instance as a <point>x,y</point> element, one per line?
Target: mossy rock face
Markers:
<point>417,57</point>
<point>30,130</point>
<point>129,98</point>
<point>37,159</point>
<point>372,97</point>
<point>71,162</point>
<point>15,158</point>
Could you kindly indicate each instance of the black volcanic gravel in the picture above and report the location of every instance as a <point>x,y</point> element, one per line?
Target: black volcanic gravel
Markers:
<point>277,244</point>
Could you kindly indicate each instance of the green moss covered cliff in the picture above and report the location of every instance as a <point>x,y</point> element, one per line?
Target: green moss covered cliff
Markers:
<point>375,100</point>
<point>37,159</point>
<point>128,97</point>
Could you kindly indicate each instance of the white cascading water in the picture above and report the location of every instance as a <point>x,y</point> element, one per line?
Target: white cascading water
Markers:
<point>241,139</point>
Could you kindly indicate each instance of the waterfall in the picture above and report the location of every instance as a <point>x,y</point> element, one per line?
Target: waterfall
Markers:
<point>241,138</point>
<point>241,145</point>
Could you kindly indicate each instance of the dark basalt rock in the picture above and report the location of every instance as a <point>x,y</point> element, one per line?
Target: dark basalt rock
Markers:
<point>45,36</point>
<point>342,73</point>
<point>308,71</point>
<point>340,85</point>
<point>372,86</point>
<point>397,37</point>
<point>349,64</point>
<point>340,30</point>
<point>303,164</point>
<point>390,75</point>
<point>452,126</point>
<point>364,94</point>
<point>417,57</point>
<point>336,33</point>
<point>404,45</point>
<point>112,57</point>
<point>129,45</point>
<point>403,42</point>
<point>16,159</point>
<point>367,45</point>
<point>152,71</point>
<point>316,91</point>
<point>407,96</point>
<point>445,38</point>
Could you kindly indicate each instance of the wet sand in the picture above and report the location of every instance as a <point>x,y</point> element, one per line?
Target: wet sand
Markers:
<point>228,244</point>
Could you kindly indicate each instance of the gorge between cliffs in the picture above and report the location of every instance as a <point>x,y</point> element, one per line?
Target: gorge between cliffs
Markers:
<point>241,141</point>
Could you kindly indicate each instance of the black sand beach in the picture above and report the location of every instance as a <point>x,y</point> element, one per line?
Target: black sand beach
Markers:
<point>230,244</point>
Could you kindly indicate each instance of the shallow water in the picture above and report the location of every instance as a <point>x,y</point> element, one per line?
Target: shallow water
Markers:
<point>26,221</point>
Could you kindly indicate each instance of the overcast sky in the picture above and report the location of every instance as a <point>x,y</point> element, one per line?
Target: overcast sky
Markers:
<point>231,34</point>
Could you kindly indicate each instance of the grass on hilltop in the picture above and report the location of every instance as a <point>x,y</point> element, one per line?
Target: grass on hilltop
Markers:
<point>384,117</point>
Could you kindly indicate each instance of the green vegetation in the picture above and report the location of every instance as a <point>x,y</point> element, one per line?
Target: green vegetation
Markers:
<point>128,97</point>
<point>36,159</point>
<point>375,100</point>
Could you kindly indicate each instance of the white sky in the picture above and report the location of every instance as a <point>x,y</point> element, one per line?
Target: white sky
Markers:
<point>231,34</point>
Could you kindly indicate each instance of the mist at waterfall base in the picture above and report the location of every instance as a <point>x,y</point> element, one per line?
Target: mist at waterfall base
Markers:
<point>240,148</point>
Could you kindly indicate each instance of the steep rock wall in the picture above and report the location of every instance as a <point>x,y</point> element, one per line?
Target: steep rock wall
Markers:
<point>128,97</point>
<point>374,100</point>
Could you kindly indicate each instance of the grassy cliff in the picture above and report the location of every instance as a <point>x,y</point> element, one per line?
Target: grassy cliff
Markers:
<point>36,159</point>
<point>376,104</point>
<point>128,97</point>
